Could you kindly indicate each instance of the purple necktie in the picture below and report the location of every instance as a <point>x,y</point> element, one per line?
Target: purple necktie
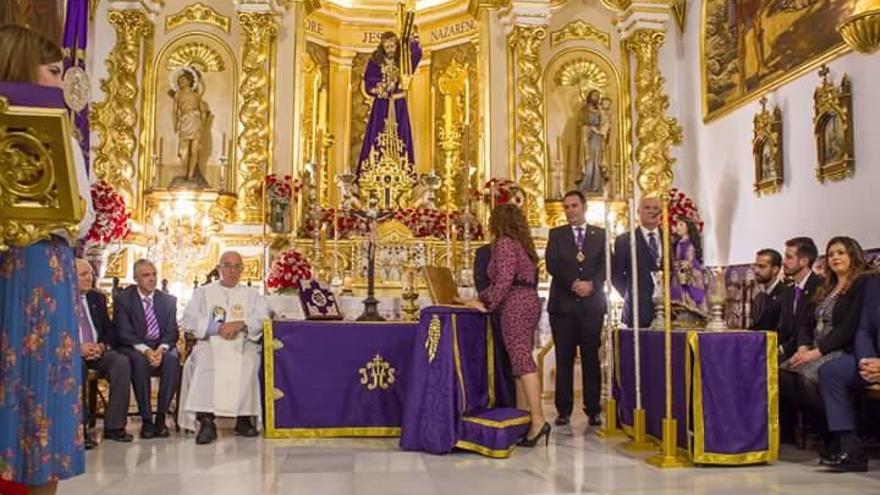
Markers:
<point>798,293</point>
<point>152,324</point>
<point>579,237</point>
<point>85,328</point>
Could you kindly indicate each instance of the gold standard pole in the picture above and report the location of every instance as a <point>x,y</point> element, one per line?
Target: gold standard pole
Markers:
<point>609,429</point>
<point>668,456</point>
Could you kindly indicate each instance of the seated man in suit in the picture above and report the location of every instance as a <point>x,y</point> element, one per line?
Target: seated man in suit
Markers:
<point>841,379</point>
<point>227,320</point>
<point>797,308</point>
<point>766,304</point>
<point>146,323</point>
<point>96,348</point>
<point>649,252</point>
<point>505,390</point>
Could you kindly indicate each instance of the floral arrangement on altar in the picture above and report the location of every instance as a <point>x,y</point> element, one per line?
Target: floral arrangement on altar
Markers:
<point>499,192</point>
<point>288,269</point>
<point>111,216</point>
<point>682,206</point>
<point>281,192</point>
<point>422,222</point>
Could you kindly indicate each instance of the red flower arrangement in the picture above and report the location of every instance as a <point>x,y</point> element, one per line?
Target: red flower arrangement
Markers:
<point>681,206</point>
<point>288,269</point>
<point>111,216</point>
<point>505,191</point>
<point>282,189</point>
<point>422,222</point>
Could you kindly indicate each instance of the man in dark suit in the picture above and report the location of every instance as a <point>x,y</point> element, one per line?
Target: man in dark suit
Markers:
<point>766,304</point>
<point>575,258</point>
<point>505,388</point>
<point>649,253</point>
<point>146,322</point>
<point>797,309</point>
<point>841,380</point>
<point>96,348</point>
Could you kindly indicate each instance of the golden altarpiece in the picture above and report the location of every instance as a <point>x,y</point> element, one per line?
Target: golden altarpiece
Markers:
<point>196,103</point>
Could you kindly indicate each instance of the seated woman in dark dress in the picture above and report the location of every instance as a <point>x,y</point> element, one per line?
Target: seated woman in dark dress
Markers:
<point>838,308</point>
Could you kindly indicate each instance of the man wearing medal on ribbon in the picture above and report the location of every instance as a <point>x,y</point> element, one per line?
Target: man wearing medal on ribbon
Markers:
<point>575,259</point>
<point>221,375</point>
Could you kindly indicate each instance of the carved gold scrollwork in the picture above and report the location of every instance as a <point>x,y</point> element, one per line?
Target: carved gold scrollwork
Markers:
<point>199,55</point>
<point>580,30</point>
<point>259,31</point>
<point>37,189</point>
<point>530,119</point>
<point>656,132</point>
<point>433,341</point>
<point>116,117</point>
<point>197,13</point>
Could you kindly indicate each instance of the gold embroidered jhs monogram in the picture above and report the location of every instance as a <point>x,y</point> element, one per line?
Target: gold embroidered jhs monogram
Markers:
<point>377,373</point>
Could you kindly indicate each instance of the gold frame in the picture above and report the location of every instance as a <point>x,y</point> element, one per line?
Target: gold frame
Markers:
<point>150,102</point>
<point>30,212</point>
<point>768,132</point>
<point>833,102</point>
<point>735,103</point>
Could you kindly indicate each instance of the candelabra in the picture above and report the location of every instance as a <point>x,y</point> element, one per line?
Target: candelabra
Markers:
<point>466,277</point>
<point>410,307</point>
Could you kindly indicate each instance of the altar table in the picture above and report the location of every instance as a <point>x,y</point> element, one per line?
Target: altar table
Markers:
<point>724,389</point>
<point>332,379</point>
<point>436,378</point>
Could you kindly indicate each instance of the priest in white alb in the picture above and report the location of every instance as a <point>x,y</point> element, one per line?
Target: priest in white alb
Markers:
<point>220,377</point>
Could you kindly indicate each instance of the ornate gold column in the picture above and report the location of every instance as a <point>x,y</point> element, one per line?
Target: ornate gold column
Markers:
<point>116,117</point>
<point>339,117</point>
<point>530,119</point>
<point>258,33</point>
<point>655,131</point>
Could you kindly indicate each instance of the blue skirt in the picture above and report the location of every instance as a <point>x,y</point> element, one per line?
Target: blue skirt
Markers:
<point>41,436</point>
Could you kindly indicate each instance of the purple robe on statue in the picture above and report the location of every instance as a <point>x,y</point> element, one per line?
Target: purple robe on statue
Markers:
<point>373,79</point>
<point>688,282</point>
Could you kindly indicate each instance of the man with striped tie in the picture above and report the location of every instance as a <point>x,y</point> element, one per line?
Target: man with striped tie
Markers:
<point>146,324</point>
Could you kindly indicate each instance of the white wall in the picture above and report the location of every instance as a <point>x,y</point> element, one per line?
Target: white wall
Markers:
<point>719,169</point>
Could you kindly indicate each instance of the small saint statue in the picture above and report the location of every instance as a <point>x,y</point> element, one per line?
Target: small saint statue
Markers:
<point>190,115</point>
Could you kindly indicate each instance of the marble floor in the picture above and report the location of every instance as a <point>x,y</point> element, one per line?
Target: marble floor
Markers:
<point>575,463</point>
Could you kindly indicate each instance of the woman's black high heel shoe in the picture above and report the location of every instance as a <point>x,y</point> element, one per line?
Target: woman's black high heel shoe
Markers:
<point>531,442</point>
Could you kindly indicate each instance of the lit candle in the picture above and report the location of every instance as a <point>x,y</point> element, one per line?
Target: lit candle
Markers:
<point>447,115</point>
<point>322,109</point>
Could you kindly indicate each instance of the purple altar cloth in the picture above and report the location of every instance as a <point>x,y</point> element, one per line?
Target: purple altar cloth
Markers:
<point>335,378</point>
<point>449,378</point>
<point>725,392</point>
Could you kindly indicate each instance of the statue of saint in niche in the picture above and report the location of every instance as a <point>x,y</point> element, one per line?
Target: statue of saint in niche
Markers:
<point>190,115</point>
<point>594,132</point>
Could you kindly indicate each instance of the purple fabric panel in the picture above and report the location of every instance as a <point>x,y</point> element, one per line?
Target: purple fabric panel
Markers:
<point>493,438</point>
<point>317,369</point>
<point>76,29</point>
<point>653,383</point>
<point>735,411</point>
<point>475,370</point>
<point>32,95</point>
<point>430,415</point>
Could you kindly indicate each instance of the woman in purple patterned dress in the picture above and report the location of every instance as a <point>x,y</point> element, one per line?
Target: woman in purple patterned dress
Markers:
<point>41,438</point>
<point>513,275</point>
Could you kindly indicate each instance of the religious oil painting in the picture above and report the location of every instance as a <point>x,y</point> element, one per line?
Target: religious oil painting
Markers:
<point>833,128</point>
<point>751,46</point>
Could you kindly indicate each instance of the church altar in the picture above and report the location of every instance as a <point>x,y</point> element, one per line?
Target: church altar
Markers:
<point>423,381</point>
<point>724,390</point>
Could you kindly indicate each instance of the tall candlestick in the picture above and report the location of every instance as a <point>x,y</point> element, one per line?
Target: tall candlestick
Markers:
<point>559,147</point>
<point>467,101</point>
<point>161,147</point>
<point>223,147</point>
<point>447,116</point>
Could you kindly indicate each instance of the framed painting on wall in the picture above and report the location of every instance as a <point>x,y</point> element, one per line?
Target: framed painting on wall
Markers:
<point>751,46</point>
<point>767,149</point>
<point>833,127</point>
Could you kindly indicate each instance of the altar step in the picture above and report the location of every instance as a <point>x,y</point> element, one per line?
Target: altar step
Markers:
<point>493,432</point>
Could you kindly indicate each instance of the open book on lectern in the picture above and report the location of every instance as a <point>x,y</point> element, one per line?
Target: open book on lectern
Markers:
<point>441,285</point>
